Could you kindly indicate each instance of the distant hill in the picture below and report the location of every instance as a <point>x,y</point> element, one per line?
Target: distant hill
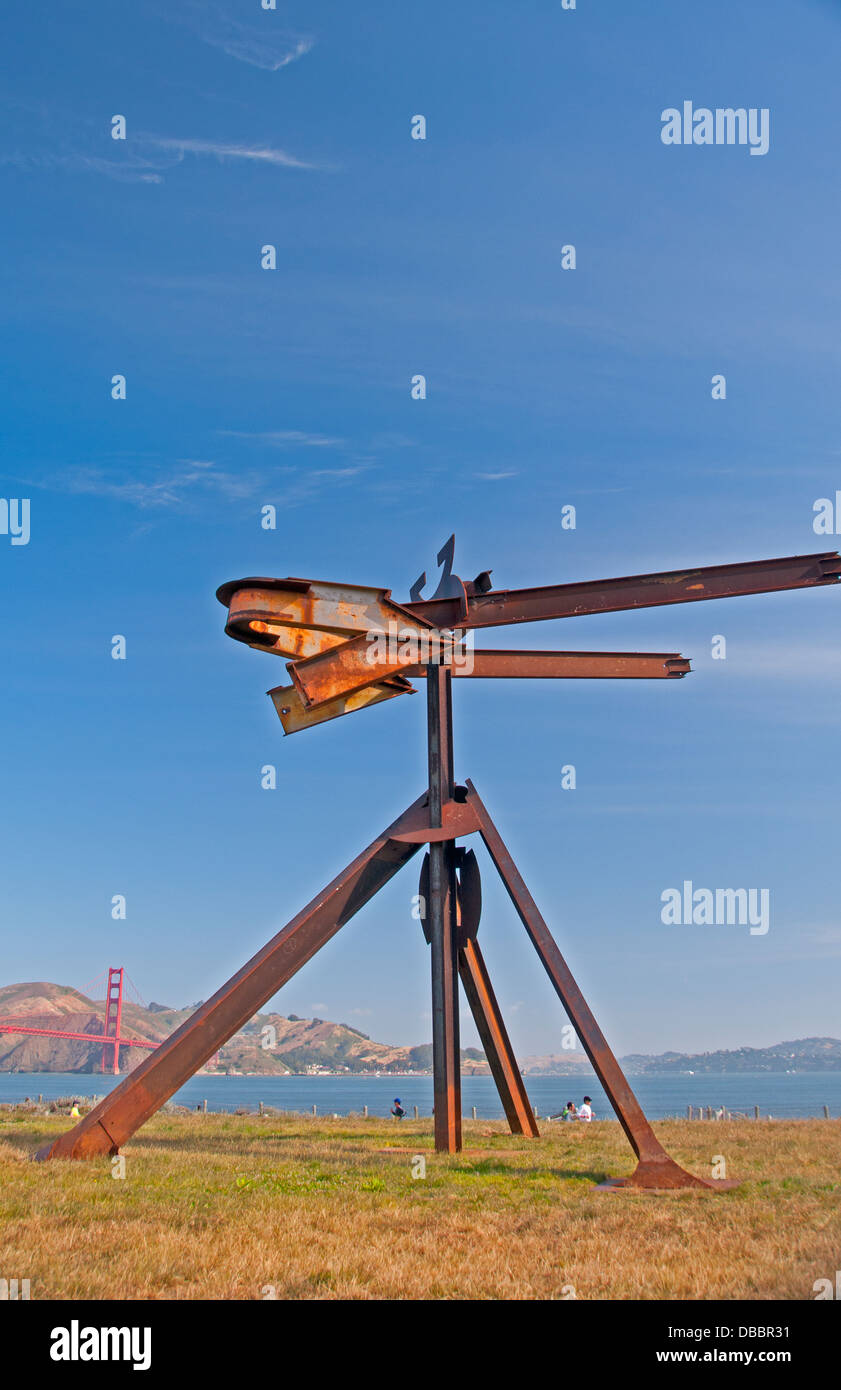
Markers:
<point>268,1045</point>
<point>806,1054</point>
<point>271,1044</point>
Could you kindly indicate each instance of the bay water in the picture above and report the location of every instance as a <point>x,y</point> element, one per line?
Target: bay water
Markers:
<point>797,1095</point>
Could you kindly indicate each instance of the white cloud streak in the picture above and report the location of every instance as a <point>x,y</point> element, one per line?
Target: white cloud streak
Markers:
<point>259,54</point>
<point>287,439</point>
<point>260,45</point>
<point>218,150</point>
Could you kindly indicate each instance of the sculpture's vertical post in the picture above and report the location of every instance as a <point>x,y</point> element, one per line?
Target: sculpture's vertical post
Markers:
<point>441,918</point>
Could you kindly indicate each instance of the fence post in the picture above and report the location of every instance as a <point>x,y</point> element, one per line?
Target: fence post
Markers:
<point>313,1110</point>
<point>365,1112</point>
<point>756,1112</point>
<point>473,1111</point>
<point>415,1108</point>
<point>204,1107</point>
<point>826,1112</point>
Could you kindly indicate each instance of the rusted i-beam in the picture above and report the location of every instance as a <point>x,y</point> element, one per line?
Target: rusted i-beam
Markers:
<point>441,919</point>
<point>480,995</point>
<point>494,1038</point>
<point>655,1167</point>
<point>145,1090</point>
<point>500,607</point>
<point>531,665</point>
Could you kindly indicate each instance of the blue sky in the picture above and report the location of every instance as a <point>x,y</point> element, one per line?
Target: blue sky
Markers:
<point>545,387</point>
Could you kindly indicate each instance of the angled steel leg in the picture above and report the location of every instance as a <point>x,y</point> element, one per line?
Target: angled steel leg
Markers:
<point>483,1004</point>
<point>655,1168</point>
<point>495,1041</point>
<point>145,1090</point>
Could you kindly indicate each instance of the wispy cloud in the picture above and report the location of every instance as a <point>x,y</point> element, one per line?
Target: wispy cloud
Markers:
<point>132,169</point>
<point>303,486</point>
<point>264,45</point>
<point>43,139</point>
<point>163,488</point>
<point>287,439</point>
<point>218,150</point>
<point>494,477</point>
<point>271,56</point>
<point>152,486</point>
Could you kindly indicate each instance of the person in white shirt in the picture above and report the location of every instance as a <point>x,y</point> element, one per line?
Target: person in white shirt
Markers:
<point>585,1110</point>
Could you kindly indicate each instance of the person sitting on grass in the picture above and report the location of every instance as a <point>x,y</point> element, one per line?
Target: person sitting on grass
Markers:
<point>586,1111</point>
<point>397,1109</point>
<point>569,1111</point>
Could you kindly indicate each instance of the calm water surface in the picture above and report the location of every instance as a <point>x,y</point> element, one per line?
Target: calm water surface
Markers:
<point>800,1095</point>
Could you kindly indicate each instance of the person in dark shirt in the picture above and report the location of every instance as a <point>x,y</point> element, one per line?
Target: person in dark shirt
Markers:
<point>397,1109</point>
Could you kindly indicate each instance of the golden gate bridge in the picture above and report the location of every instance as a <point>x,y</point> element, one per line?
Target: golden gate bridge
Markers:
<point>110,1037</point>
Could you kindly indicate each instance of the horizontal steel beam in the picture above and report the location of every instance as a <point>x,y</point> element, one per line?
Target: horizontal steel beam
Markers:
<point>508,665</point>
<point>503,606</point>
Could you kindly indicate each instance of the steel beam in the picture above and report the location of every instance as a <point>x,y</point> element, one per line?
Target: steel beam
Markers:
<point>258,610</point>
<point>480,994</point>
<point>500,607</point>
<point>371,656</point>
<point>145,1090</point>
<point>441,919</point>
<point>655,1168</point>
<point>294,714</point>
<point>493,1033</point>
<point>514,665</point>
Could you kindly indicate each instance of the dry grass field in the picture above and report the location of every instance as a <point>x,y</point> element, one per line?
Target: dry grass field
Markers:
<point>248,1207</point>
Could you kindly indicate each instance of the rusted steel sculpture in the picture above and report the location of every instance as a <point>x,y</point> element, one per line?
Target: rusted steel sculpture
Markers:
<point>350,647</point>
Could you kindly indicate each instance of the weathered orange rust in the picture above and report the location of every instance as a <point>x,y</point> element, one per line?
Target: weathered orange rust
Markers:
<point>294,714</point>
<point>357,662</point>
<point>330,629</point>
<point>327,621</point>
